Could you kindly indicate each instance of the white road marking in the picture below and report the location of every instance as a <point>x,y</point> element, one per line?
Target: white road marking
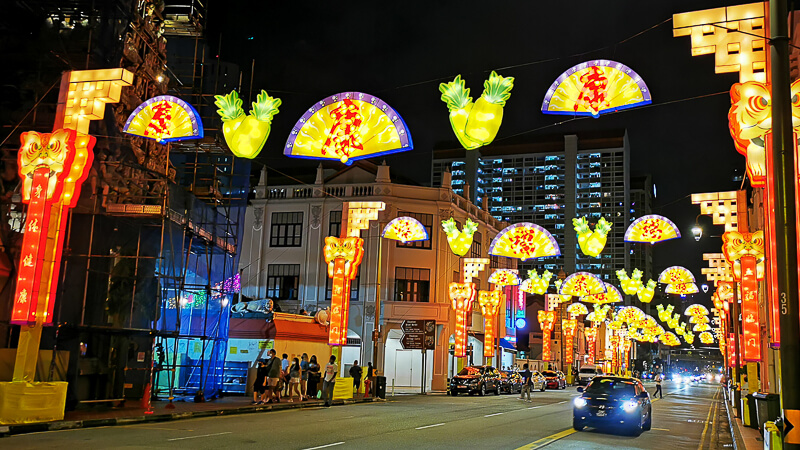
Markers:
<point>430,426</point>
<point>202,435</point>
<point>490,415</point>
<point>323,446</point>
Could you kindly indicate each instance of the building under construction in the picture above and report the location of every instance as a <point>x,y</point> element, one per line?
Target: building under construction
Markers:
<point>150,258</point>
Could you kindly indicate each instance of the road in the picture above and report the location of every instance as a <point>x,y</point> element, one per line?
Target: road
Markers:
<point>688,417</point>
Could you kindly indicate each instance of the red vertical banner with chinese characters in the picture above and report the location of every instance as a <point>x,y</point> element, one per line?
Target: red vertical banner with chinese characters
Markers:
<point>731,350</point>
<point>343,256</point>
<point>750,324</point>
<point>771,261</point>
<point>546,320</point>
<point>462,295</point>
<point>32,254</point>
<point>591,342</point>
<point>490,302</point>
<point>568,327</point>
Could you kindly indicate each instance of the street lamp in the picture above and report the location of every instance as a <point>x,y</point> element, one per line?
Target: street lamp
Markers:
<point>697,230</point>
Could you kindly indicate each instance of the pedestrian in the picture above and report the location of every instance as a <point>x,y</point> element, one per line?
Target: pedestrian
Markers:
<point>294,380</point>
<point>285,373</point>
<point>331,369</point>
<point>356,372</point>
<point>260,384</point>
<point>313,378</point>
<point>368,380</point>
<point>658,392</point>
<point>303,376</point>
<point>526,383</point>
<point>273,376</point>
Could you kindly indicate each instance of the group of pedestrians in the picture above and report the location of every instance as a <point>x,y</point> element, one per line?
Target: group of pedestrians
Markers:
<point>279,377</point>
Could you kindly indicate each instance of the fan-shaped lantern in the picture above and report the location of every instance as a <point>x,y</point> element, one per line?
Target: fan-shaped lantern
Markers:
<point>347,127</point>
<point>577,309</point>
<point>706,337</point>
<point>696,310</point>
<point>699,319</point>
<point>582,284</point>
<point>669,338</point>
<point>612,295</point>
<point>675,275</point>
<point>536,284</point>
<point>630,314</point>
<point>681,289</point>
<point>405,229</point>
<point>595,87</point>
<point>562,298</point>
<point>651,229</point>
<point>701,327</point>
<point>504,277</point>
<point>165,119</point>
<point>524,241</point>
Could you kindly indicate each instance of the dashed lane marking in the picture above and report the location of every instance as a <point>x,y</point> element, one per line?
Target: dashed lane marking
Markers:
<point>430,426</point>
<point>324,446</point>
<point>491,415</point>
<point>202,435</point>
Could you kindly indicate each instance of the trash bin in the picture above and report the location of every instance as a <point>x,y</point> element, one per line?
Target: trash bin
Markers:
<point>380,387</point>
<point>768,407</point>
<point>749,417</point>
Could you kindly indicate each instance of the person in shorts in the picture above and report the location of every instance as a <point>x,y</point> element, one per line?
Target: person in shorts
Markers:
<point>273,376</point>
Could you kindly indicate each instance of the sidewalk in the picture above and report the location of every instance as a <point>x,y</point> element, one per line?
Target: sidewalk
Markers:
<point>132,413</point>
<point>744,438</point>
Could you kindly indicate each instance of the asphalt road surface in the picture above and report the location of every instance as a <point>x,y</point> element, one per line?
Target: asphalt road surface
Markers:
<point>688,417</point>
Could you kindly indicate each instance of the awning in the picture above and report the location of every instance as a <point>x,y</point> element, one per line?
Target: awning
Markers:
<point>507,345</point>
<point>290,327</point>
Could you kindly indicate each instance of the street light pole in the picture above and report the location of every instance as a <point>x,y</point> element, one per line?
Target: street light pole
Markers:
<point>784,179</point>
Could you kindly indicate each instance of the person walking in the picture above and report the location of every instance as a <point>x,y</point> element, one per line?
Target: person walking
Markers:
<point>313,377</point>
<point>294,380</point>
<point>368,380</point>
<point>331,369</point>
<point>273,376</point>
<point>303,376</point>
<point>285,373</point>
<point>526,383</point>
<point>260,384</point>
<point>356,371</point>
<point>658,392</point>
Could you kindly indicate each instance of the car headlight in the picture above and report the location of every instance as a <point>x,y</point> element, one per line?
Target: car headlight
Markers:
<point>579,402</point>
<point>630,405</point>
<point>676,378</point>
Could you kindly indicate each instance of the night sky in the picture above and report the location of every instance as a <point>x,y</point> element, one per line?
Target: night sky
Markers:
<point>401,51</point>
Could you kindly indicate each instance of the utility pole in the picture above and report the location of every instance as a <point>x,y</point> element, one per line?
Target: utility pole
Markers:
<point>785,222</point>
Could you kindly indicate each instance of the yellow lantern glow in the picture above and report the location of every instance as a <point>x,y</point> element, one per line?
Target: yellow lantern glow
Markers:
<point>476,124</point>
<point>490,305</point>
<point>682,289</point>
<point>582,284</point>
<point>706,337</point>
<point>165,118</point>
<point>675,275</point>
<point>630,285</point>
<point>546,321</point>
<point>524,241</point>
<point>405,229</point>
<point>669,338</point>
<point>612,295</point>
<point>577,309</point>
<point>536,284</point>
<point>504,277</point>
<point>696,310</point>
<point>664,314</point>
<point>562,298</point>
<point>647,292</point>
<point>462,295</point>
<point>651,229</point>
<point>591,242</point>
<point>699,319</point>
<point>701,327</point>
<point>348,126</point>
<point>459,241</point>
<point>246,134</point>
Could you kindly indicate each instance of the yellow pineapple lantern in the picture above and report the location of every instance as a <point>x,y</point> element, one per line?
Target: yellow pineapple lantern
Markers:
<point>591,242</point>
<point>630,285</point>
<point>246,134</point>
<point>647,292</point>
<point>459,241</point>
<point>536,284</point>
<point>476,124</point>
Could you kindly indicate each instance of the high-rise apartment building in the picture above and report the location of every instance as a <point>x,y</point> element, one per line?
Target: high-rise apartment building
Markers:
<point>550,182</point>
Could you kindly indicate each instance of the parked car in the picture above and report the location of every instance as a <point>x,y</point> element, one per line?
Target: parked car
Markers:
<point>587,372</point>
<point>554,379</point>
<point>539,381</point>
<point>510,382</point>
<point>476,379</point>
<point>613,401</point>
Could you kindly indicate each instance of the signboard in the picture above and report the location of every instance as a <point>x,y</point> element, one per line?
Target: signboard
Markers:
<point>418,334</point>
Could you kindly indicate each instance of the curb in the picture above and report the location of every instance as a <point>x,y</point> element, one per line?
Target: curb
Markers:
<point>738,441</point>
<point>11,430</point>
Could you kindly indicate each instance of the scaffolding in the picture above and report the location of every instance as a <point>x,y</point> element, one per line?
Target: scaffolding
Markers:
<point>150,258</point>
